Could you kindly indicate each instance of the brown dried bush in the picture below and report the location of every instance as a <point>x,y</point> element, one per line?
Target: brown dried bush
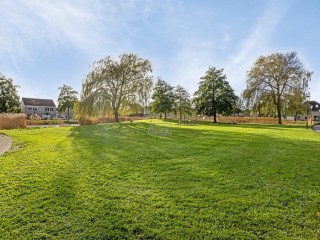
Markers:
<point>13,121</point>
<point>256,120</point>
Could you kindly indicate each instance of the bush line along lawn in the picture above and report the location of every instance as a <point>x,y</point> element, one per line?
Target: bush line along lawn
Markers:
<point>117,181</point>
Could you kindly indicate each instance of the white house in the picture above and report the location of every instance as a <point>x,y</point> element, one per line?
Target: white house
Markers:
<point>45,108</point>
<point>315,110</point>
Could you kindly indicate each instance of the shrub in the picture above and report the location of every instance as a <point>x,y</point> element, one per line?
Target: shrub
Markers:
<point>12,121</point>
<point>35,117</point>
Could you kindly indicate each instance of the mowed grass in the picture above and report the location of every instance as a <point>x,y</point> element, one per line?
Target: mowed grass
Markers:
<point>117,181</point>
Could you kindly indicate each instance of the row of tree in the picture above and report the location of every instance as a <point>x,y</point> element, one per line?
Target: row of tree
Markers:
<point>276,84</point>
<point>116,86</point>
<point>214,96</point>
<point>168,99</point>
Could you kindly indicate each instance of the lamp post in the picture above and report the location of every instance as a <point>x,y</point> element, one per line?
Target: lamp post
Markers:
<point>307,108</point>
<point>2,105</point>
<point>214,103</point>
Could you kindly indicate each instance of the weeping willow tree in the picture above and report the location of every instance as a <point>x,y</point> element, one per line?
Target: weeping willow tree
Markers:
<point>113,86</point>
<point>296,104</point>
<point>259,102</point>
<point>276,76</point>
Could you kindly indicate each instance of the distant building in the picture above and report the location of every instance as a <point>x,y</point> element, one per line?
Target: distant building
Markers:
<point>315,110</point>
<point>45,108</point>
<point>64,115</point>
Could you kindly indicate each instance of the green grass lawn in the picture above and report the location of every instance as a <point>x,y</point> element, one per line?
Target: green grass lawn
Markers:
<point>199,182</point>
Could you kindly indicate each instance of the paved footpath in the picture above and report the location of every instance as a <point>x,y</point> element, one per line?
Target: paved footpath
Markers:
<point>316,128</point>
<point>5,143</point>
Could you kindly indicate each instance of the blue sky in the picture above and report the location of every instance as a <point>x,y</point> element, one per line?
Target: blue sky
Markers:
<point>47,43</point>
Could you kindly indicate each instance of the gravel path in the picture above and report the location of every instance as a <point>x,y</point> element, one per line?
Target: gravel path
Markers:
<point>5,143</point>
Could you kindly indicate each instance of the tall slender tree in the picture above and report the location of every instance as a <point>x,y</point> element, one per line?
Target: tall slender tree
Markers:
<point>182,102</point>
<point>66,99</point>
<point>215,94</point>
<point>276,75</point>
<point>163,98</point>
<point>145,94</point>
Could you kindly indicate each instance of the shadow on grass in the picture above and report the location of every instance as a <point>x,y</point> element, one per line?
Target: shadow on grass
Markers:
<point>216,145</point>
<point>116,181</point>
<point>224,174</point>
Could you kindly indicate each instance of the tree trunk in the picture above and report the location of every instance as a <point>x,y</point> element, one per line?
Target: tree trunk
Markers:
<point>165,115</point>
<point>116,115</point>
<point>259,110</point>
<point>214,117</point>
<point>214,104</point>
<point>68,113</point>
<point>279,111</point>
<point>116,106</point>
<point>214,113</point>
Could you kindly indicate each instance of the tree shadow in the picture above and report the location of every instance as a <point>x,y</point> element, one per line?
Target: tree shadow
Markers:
<point>213,169</point>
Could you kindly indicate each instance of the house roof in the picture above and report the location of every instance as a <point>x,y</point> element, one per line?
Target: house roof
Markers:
<point>315,106</point>
<point>313,102</point>
<point>38,102</point>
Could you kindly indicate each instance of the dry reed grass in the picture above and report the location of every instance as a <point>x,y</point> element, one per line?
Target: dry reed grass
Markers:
<point>105,119</point>
<point>51,122</point>
<point>221,119</point>
<point>256,120</point>
<point>13,121</point>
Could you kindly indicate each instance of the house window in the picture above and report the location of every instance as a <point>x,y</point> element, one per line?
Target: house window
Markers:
<point>35,109</point>
<point>46,109</point>
<point>51,109</point>
<point>29,108</point>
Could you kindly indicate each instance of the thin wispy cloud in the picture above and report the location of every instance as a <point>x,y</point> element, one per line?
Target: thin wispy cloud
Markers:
<point>46,25</point>
<point>91,26</point>
<point>49,43</point>
<point>256,44</point>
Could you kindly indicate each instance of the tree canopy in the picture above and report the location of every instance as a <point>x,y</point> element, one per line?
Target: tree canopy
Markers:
<point>163,98</point>
<point>215,94</point>
<point>66,99</point>
<point>9,99</point>
<point>296,104</point>
<point>182,102</point>
<point>276,77</point>
<point>113,83</point>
